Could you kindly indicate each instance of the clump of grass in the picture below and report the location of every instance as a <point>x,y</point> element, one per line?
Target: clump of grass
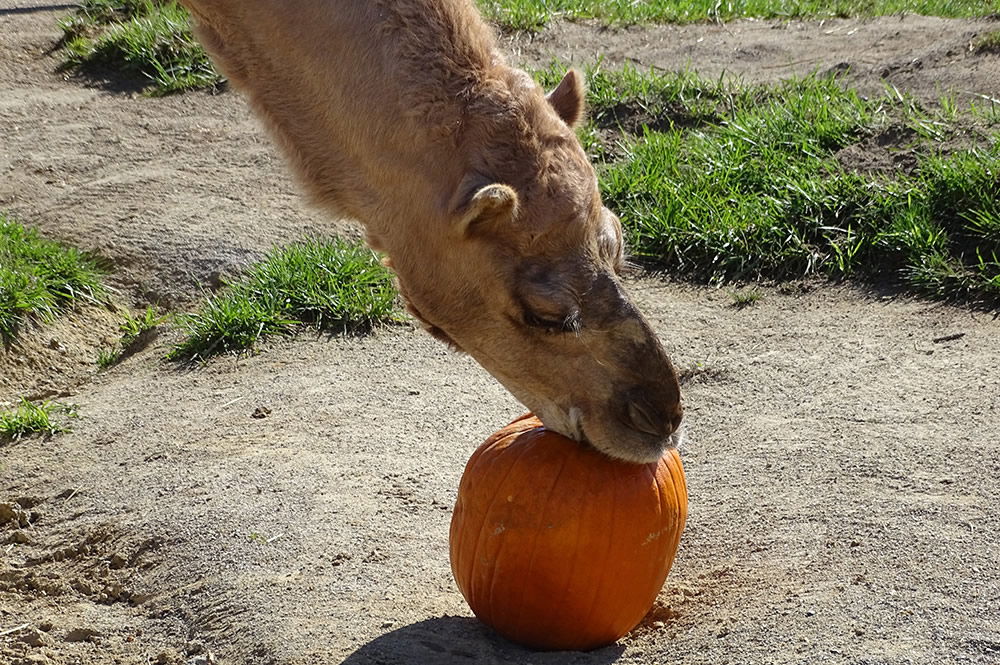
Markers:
<point>40,278</point>
<point>629,98</point>
<point>150,39</point>
<point>134,327</point>
<point>724,182</point>
<point>329,284</point>
<point>534,14</point>
<point>953,244</point>
<point>109,357</point>
<point>631,101</point>
<point>726,202</point>
<point>28,418</point>
<point>723,208</point>
<point>136,333</point>
<point>746,298</point>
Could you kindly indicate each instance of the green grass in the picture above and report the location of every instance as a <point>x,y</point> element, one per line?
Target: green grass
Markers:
<point>40,278</point>
<point>724,182</point>
<point>135,334</point>
<point>746,298</point>
<point>534,14</point>
<point>331,285</point>
<point>29,418</point>
<point>109,357</point>
<point>133,327</point>
<point>148,39</point>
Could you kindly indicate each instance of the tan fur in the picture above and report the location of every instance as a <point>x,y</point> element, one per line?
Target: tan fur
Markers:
<point>403,115</point>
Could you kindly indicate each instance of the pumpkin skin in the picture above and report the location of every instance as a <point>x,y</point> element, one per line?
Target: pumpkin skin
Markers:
<point>558,546</point>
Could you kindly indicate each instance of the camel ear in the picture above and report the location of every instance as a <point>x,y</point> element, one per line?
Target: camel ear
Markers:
<point>485,205</point>
<point>567,98</point>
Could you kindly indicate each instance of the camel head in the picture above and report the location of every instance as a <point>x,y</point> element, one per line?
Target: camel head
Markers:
<point>472,181</point>
<point>526,279</point>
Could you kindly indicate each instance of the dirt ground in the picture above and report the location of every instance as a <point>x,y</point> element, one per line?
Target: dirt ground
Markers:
<point>292,508</point>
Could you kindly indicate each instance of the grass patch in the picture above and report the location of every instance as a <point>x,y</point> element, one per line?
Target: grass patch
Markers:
<point>109,357</point>
<point>331,285</point>
<point>136,333</point>
<point>28,418</point>
<point>147,39</point>
<point>134,328</point>
<point>534,14</point>
<point>724,182</point>
<point>40,278</point>
<point>745,298</point>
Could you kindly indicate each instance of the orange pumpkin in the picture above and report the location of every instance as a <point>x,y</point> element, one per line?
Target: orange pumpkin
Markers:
<point>556,545</point>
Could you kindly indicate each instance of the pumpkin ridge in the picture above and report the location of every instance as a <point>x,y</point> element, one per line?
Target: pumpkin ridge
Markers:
<point>660,508</point>
<point>482,527</point>
<point>671,510</point>
<point>607,550</point>
<point>537,531</point>
<point>474,461</point>
<point>477,459</point>
<point>577,552</point>
<point>675,470</point>
<point>652,468</point>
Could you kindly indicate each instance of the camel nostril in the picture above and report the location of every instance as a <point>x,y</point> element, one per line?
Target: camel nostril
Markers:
<point>641,418</point>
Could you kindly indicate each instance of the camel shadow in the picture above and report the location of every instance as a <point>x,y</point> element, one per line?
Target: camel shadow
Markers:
<point>450,640</point>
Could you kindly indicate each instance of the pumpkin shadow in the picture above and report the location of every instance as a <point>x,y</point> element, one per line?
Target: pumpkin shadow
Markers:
<point>451,640</point>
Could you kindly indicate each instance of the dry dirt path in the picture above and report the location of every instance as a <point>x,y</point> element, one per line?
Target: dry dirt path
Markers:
<point>925,56</point>
<point>842,464</point>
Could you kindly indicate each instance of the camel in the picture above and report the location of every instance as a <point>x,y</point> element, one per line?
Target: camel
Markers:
<point>469,178</point>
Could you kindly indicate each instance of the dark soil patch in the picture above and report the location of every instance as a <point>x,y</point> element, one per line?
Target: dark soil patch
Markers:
<point>633,118</point>
<point>898,148</point>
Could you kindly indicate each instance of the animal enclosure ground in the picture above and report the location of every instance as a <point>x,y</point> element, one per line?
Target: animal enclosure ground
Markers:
<point>292,508</point>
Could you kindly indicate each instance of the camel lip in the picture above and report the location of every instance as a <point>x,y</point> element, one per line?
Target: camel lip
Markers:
<point>644,448</point>
<point>568,423</point>
<point>633,445</point>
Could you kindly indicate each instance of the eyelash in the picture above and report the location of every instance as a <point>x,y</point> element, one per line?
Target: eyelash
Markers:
<point>570,324</point>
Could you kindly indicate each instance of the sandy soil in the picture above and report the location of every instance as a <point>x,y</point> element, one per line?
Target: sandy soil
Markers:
<point>842,460</point>
<point>924,56</point>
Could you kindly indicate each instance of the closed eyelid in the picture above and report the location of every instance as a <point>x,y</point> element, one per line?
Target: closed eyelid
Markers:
<point>550,313</point>
<point>567,323</point>
<point>548,296</point>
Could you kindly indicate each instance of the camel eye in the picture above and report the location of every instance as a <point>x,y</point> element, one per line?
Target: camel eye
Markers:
<point>566,324</point>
